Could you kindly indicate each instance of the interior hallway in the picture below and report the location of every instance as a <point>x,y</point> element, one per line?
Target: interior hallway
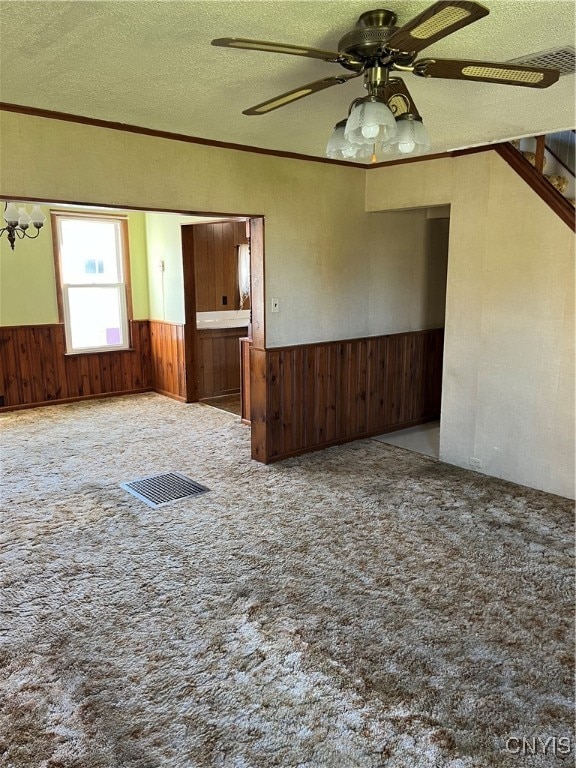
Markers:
<point>424,439</point>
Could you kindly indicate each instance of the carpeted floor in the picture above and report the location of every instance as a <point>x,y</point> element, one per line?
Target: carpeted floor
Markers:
<point>362,606</point>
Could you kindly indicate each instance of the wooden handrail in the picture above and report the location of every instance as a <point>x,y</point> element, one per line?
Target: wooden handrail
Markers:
<point>559,204</point>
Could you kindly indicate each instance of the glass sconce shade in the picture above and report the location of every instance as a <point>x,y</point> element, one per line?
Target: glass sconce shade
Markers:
<point>370,122</point>
<point>23,218</point>
<point>412,137</point>
<point>37,217</point>
<point>11,214</point>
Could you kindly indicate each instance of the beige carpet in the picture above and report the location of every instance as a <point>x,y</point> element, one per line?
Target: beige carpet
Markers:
<point>363,606</point>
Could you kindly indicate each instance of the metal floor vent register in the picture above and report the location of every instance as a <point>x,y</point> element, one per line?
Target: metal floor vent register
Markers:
<point>159,490</point>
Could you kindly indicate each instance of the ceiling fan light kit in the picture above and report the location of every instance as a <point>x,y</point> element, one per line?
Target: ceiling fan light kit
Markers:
<point>387,120</point>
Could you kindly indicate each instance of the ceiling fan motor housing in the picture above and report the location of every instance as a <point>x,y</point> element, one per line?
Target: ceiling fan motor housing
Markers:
<point>370,34</point>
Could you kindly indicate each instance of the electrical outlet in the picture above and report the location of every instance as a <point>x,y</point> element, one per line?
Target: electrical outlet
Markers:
<point>162,266</point>
<point>275,305</point>
<point>475,463</point>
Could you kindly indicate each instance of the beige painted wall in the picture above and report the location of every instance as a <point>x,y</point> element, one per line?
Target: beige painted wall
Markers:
<point>27,281</point>
<point>406,271</point>
<point>508,384</point>
<point>326,258</point>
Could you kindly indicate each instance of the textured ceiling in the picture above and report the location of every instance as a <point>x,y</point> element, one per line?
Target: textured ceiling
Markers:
<point>150,63</point>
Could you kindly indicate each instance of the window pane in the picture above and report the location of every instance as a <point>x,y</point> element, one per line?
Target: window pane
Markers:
<point>95,317</point>
<point>89,251</point>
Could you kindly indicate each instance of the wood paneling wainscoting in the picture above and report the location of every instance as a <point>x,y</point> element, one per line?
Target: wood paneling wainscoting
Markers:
<point>216,265</point>
<point>302,398</point>
<point>35,370</point>
<point>245,397</point>
<point>315,395</point>
<point>219,361</point>
<point>168,360</point>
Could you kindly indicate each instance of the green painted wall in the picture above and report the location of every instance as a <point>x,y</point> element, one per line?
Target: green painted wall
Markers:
<point>166,289</point>
<point>138,265</point>
<point>27,286</point>
<point>27,282</point>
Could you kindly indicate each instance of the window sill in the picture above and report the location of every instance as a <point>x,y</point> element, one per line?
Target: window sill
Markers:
<point>99,351</point>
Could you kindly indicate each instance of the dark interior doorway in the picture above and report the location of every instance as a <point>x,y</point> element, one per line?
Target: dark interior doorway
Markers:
<point>218,314</point>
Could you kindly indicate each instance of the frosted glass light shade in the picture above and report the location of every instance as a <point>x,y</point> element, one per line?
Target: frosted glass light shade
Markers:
<point>412,137</point>
<point>370,122</point>
<point>11,214</point>
<point>339,148</point>
<point>23,218</point>
<point>37,217</point>
<point>363,151</point>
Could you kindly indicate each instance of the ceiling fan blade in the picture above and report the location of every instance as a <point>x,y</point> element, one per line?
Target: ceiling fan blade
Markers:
<point>294,50</point>
<point>436,22</point>
<point>297,93</point>
<point>399,98</point>
<point>487,72</point>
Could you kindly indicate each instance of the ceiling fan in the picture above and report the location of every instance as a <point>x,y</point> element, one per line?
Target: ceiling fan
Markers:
<point>375,48</point>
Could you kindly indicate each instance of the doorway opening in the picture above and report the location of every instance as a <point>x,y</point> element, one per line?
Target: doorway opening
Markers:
<point>155,349</point>
<point>430,277</point>
<point>219,260</point>
<point>218,253</point>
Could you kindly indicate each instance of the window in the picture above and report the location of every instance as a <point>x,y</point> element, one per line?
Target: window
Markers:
<point>92,268</point>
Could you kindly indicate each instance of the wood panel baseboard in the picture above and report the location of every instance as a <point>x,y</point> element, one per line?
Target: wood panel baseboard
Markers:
<point>302,398</point>
<point>66,400</point>
<point>245,398</point>
<point>35,369</point>
<point>168,362</point>
<point>258,404</point>
<point>312,396</point>
<point>341,440</point>
<point>179,398</point>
